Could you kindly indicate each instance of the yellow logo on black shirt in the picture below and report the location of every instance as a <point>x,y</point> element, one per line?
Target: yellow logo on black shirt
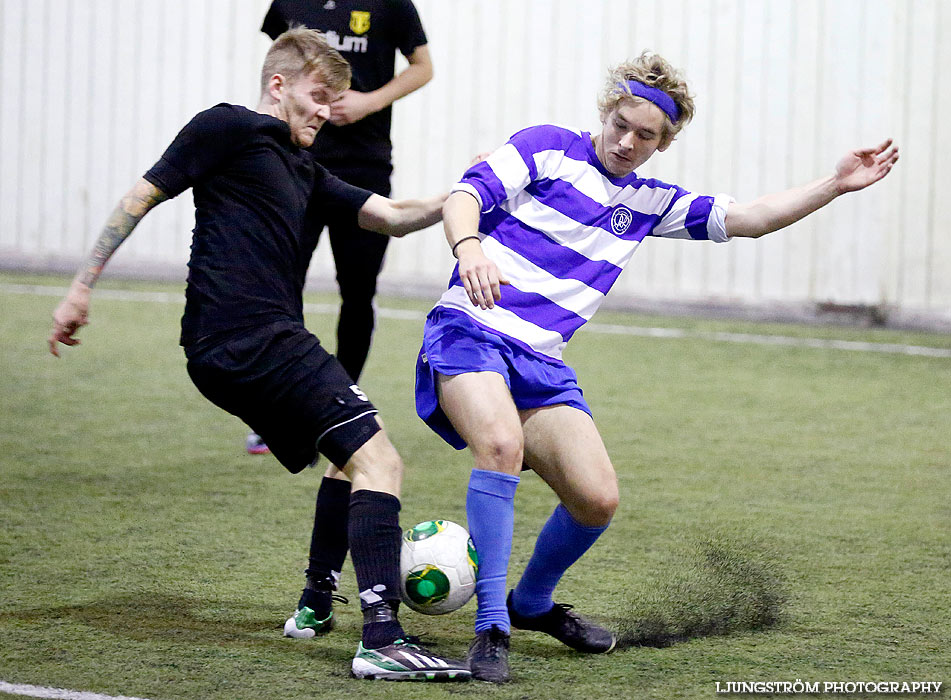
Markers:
<point>359,22</point>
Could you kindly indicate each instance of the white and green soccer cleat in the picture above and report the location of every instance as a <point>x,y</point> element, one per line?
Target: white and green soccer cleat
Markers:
<point>405,661</point>
<point>304,624</point>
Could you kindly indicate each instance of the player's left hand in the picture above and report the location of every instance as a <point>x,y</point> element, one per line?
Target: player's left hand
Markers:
<point>71,315</point>
<point>352,106</point>
<point>865,166</point>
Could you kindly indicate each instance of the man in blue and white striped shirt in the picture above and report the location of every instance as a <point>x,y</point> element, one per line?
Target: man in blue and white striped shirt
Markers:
<point>542,228</point>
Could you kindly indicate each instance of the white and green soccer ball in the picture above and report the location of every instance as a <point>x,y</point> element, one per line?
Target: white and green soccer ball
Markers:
<point>438,567</point>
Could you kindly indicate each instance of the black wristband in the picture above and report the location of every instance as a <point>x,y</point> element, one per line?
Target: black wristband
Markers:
<point>465,238</point>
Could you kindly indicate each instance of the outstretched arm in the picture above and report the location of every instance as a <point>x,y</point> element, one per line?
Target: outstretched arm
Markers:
<point>398,217</point>
<point>73,311</point>
<point>856,171</point>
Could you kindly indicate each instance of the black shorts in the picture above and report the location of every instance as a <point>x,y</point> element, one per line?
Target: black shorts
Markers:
<point>289,390</point>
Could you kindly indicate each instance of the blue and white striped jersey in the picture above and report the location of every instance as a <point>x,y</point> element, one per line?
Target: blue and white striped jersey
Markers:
<point>561,229</point>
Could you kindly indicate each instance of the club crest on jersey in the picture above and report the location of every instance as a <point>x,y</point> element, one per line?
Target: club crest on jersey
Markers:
<point>621,219</point>
<point>359,21</point>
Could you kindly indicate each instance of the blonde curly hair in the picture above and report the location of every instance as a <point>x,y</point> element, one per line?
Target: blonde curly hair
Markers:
<point>654,71</point>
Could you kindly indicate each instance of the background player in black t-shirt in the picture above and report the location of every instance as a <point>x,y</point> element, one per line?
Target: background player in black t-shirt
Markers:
<point>355,145</point>
<point>243,327</point>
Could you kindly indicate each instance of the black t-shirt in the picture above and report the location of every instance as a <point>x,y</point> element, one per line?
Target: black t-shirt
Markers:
<point>367,33</point>
<point>250,250</point>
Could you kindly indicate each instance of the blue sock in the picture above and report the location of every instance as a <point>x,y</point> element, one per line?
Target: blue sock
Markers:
<point>560,544</point>
<point>490,511</point>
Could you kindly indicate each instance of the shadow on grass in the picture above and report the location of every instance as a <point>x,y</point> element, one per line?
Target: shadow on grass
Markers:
<point>721,586</point>
<point>179,619</point>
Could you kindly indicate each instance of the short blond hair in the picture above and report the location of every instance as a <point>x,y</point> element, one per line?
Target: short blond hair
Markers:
<point>654,71</point>
<point>301,51</point>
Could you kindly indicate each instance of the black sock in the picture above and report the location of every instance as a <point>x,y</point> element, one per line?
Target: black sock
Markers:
<point>381,625</point>
<point>318,601</point>
<point>328,544</point>
<point>375,550</point>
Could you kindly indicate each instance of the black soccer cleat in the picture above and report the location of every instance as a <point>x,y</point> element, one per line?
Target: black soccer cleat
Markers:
<point>567,627</point>
<point>405,660</point>
<point>489,656</point>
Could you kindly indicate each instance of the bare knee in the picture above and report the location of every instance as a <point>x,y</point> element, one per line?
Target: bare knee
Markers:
<point>389,465</point>
<point>605,507</point>
<point>376,466</point>
<point>596,509</point>
<point>499,450</point>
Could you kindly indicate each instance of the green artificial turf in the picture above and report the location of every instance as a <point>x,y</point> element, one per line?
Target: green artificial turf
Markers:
<point>785,514</point>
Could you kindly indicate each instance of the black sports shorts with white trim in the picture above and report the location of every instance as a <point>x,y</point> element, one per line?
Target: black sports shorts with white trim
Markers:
<point>289,390</point>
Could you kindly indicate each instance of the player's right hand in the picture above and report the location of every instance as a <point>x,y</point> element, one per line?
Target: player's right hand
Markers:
<point>480,276</point>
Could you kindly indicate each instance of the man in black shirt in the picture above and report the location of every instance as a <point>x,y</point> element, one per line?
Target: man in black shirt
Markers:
<point>243,327</point>
<point>355,146</point>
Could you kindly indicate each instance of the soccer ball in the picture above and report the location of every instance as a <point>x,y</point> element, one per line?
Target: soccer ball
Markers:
<point>438,567</point>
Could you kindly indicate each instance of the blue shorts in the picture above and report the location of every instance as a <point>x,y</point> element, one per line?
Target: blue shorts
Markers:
<point>455,344</point>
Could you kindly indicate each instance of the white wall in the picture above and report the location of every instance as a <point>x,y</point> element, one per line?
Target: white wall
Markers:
<point>93,90</point>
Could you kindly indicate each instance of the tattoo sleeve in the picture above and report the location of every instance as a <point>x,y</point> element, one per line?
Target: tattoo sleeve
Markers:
<point>124,218</point>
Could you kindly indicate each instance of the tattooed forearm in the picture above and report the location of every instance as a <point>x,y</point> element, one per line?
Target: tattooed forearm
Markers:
<point>133,206</point>
<point>116,230</point>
